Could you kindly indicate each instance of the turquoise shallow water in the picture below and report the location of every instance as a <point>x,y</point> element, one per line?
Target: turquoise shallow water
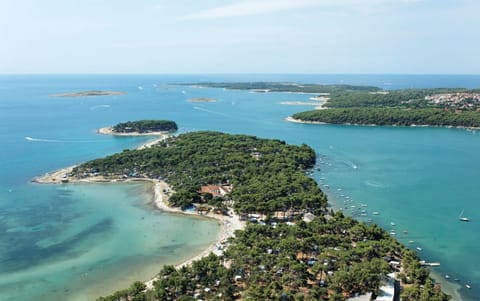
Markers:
<point>74,241</point>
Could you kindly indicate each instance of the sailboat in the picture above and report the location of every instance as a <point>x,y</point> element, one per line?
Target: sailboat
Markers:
<point>463,218</point>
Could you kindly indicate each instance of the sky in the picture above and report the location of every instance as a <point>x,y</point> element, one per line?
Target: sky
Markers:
<point>240,36</point>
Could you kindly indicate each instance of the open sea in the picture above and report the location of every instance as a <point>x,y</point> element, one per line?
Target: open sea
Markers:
<point>77,242</point>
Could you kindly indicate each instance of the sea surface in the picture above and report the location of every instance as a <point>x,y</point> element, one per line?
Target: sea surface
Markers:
<point>77,242</point>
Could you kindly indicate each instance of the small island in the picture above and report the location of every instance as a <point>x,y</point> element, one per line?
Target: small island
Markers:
<point>145,126</point>
<point>202,99</point>
<point>140,128</point>
<point>90,93</point>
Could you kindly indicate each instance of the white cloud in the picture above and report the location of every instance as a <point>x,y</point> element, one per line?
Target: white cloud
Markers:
<point>259,7</point>
<point>248,8</point>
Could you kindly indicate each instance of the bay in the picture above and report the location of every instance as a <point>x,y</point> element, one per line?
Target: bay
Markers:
<point>418,178</point>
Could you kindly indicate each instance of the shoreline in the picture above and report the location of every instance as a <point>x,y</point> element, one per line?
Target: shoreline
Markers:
<point>60,176</point>
<point>109,131</point>
<point>228,224</point>
<point>291,119</point>
<point>448,286</point>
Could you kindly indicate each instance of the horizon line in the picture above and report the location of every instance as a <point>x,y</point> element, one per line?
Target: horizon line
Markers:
<point>242,73</point>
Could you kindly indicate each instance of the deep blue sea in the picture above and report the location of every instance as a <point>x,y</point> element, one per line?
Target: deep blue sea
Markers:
<point>76,242</point>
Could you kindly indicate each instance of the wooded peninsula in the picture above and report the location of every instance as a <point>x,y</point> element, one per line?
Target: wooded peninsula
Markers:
<point>292,249</point>
<point>347,104</point>
<point>392,116</point>
<point>284,87</point>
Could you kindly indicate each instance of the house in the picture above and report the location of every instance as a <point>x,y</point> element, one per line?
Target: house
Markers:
<point>216,190</point>
<point>285,215</point>
<point>308,217</point>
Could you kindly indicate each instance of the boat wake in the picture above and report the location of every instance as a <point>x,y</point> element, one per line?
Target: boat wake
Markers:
<point>42,140</point>
<point>374,184</point>
<point>58,141</point>
<point>210,111</point>
<point>350,164</point>
<point>99,107</point>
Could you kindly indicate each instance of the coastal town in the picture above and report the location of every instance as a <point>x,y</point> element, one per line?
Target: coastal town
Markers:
<point>459,101</point>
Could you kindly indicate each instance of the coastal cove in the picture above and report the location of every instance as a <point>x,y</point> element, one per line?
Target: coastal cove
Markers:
<point>385,158</point>
<point>160,191</point>
<point>78,263</point>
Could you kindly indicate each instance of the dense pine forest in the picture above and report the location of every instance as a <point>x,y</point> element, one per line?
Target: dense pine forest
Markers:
<point>330,257</point>
<point>267,175</point>
<point>145,126</point>
<point>350,104</point>
<point>392,116</point>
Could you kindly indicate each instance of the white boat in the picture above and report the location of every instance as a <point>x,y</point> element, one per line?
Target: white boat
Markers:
<point>418,248</point>
<point>430,264</point>
<point>468,286</point>
<point>463,218</point>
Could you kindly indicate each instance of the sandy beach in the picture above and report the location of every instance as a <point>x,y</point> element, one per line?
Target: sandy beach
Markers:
<point>291,119</point>
<point>161,136</point>
<point>228,224</point>
<point>109,131</point>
